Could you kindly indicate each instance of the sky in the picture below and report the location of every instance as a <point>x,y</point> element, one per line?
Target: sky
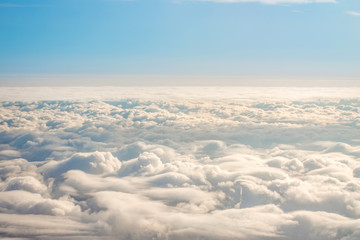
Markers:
<point>107,161</point>
<point>257,38</point>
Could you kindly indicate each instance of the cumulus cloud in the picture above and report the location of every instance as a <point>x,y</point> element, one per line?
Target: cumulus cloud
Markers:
<point>27,183</point>
<point>94,163</point>
<point>224,165</point>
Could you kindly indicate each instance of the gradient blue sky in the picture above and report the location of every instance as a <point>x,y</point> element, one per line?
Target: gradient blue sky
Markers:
<point>184,37</point>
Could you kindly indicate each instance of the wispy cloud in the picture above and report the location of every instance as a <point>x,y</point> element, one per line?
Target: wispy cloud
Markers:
<point>353,13</point>
<point>271,1</point>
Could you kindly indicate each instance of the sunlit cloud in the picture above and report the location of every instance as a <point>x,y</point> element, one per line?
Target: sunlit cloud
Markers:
<point>212,163</point>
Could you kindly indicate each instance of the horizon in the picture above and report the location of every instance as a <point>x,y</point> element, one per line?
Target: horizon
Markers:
<point>84,80</point>
<point>180,119</point>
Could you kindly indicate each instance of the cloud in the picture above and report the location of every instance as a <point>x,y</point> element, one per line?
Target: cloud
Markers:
<point>27,183</point>
<point>23,202</point>
<point>94,163</point>
<point>353,13</point>
<point>246,163</point>
<point>41,226</point>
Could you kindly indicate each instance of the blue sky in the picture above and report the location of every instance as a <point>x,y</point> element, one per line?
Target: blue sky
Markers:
<point>184,37</point>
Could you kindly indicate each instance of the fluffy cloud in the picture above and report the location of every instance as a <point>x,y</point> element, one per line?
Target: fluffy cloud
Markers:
<point>175,166</point>
<point>94,163</point>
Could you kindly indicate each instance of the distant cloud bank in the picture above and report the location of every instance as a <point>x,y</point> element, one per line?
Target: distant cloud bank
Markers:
<point>180,163</point>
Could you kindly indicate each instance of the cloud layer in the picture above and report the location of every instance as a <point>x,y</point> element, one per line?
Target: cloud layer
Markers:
<point>175,167</point>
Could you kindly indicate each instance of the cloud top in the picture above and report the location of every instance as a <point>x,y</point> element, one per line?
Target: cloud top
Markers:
<point>175,167</point>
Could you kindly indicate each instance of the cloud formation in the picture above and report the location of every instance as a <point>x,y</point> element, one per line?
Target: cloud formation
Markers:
<point>353,13</point>
<point>175,167</point>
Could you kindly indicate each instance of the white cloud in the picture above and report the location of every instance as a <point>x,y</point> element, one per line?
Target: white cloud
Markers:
<point>246,163</point>
<point>353,13</point>
<point>27,183</point>
<point>94,163</point>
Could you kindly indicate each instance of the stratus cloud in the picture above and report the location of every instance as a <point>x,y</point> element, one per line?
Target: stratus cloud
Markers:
<point>272,1</point>
<point>177,167</point>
